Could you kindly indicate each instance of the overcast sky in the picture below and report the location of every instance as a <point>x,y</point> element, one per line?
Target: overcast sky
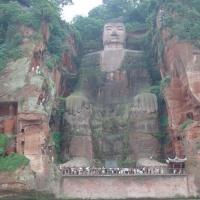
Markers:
<point>80,7</point>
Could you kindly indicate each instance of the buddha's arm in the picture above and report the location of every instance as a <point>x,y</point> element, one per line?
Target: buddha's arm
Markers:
<point>88,78</point>
<point>146,102</point>
<point>76,102</point>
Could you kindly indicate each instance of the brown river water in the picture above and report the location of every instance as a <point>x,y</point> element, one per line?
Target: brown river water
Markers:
<point>51,197</point>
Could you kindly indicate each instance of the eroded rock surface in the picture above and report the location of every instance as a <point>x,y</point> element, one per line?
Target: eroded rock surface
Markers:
<point>119,123</point>
<point>28,89</point>
<point>183,101</point>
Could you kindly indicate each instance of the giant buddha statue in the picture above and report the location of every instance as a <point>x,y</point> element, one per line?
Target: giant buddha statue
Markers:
<point>110,113</point>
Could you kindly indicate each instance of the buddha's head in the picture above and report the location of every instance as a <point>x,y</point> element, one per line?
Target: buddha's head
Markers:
<point>114,35</point>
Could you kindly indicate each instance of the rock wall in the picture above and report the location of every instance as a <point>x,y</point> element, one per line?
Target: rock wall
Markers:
<point>126,187</point>
<point>28,89</point>
<point>122,120</point>
<point>181,62</point>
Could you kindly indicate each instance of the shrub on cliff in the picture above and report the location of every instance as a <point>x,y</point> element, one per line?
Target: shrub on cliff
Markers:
<point>185,24</point>
<point>4,142</point>
<point>185,124</point>
<point>13,162</point>
<point>30,13</point>
<point>165,82</point>
<point>57,138</point>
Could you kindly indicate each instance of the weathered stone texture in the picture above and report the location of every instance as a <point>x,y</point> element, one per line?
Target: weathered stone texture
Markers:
<point>26,99</point>
<point>126,187</point>
<point>182,98</point>
<point>110,80</point>
<point>81,146</point>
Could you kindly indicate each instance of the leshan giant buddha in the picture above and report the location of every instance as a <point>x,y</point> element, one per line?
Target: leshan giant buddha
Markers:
<point>108,117</point>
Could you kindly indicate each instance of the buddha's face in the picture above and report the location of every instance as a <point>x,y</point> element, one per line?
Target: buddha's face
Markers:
<point>114,33</point>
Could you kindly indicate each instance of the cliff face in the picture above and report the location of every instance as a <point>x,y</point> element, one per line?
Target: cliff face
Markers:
<point>27,104</point>
<point>120,122</point>
<point>181,64</point>
<point>28,89</point>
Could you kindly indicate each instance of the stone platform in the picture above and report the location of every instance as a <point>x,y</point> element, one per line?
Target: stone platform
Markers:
<point>125,187</point>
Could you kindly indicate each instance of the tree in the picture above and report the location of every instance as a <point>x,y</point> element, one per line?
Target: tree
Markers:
<point>65,2</point>
<point>100,12</point>
<point>90,28</point>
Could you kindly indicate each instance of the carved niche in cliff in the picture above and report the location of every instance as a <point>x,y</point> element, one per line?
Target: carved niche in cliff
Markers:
<point>109,81</point>
<point>8,113</point>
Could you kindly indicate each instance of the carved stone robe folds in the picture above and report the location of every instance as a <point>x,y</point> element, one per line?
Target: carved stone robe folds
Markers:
<point>111,113</point>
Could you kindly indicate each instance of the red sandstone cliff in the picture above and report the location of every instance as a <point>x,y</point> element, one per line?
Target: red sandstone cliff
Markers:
<point>27,95</point>
<point>27,98</point>
<point>181,62</point>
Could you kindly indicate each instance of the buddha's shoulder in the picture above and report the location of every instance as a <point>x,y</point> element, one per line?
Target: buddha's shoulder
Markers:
<point>128,51</point>
<point>93,54</point>
<point>91,60</point>
<point>133,55</point>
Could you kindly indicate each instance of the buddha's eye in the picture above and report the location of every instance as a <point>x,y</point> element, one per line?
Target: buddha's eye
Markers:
<point>108,28</point>
<point>120,28</point>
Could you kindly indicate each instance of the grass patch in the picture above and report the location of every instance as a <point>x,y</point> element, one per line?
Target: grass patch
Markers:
<point>126,163</point>
<point>13,162</point>
<point>165,82</point>
<point>185,124</point>
<point>57,138</point>
<point>22,101</point>
<point>4,142</point>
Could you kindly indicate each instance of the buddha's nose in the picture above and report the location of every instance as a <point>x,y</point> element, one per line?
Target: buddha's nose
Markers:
<point>114,33</point>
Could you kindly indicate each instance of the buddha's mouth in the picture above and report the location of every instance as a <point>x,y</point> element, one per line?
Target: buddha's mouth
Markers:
<point>114,38</point>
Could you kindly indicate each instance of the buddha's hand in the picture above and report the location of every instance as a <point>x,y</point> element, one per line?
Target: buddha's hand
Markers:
<point>146,102</point>
<point>76,102</point>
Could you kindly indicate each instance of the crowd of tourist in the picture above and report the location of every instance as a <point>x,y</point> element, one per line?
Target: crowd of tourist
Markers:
<point>117,171</point>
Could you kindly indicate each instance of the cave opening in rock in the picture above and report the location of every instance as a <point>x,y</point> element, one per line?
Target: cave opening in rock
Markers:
<point>190,115</point>
<point>179,138</point>
<point>22,130</point>
<point>8,109</point>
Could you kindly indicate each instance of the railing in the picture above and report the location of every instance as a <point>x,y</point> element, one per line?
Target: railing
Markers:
<point>93,171</point>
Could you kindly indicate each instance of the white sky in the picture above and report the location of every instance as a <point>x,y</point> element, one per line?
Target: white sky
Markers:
<point>80,7</point>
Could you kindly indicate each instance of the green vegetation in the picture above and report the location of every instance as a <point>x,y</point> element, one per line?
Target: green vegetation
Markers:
<point>4,143</point>
<point>15,15</point>
<point>57,138</point>
<point>165,82</point>
<point>91,76</point>
<point>158,89</point>
<point>13,162</point>
<point>60,109</point>
<point>126,163</point>
<point>185,124</point>
<point>60,99</point>
<point>163,137</point>
<point>125,149</point>
<point>113,124</point>
<point>52,61</point>
<point>186,24</point>
<point>10,39</point>
<point>96,136</point>
<point>134,14</point>
<point>113,129</point>
<point>198,146</point>
<point>138,58</point>
<point>22,101</point>
<point>164,122</point>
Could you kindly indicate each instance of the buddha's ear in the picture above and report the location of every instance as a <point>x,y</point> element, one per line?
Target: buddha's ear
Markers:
<point>103,34</point>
